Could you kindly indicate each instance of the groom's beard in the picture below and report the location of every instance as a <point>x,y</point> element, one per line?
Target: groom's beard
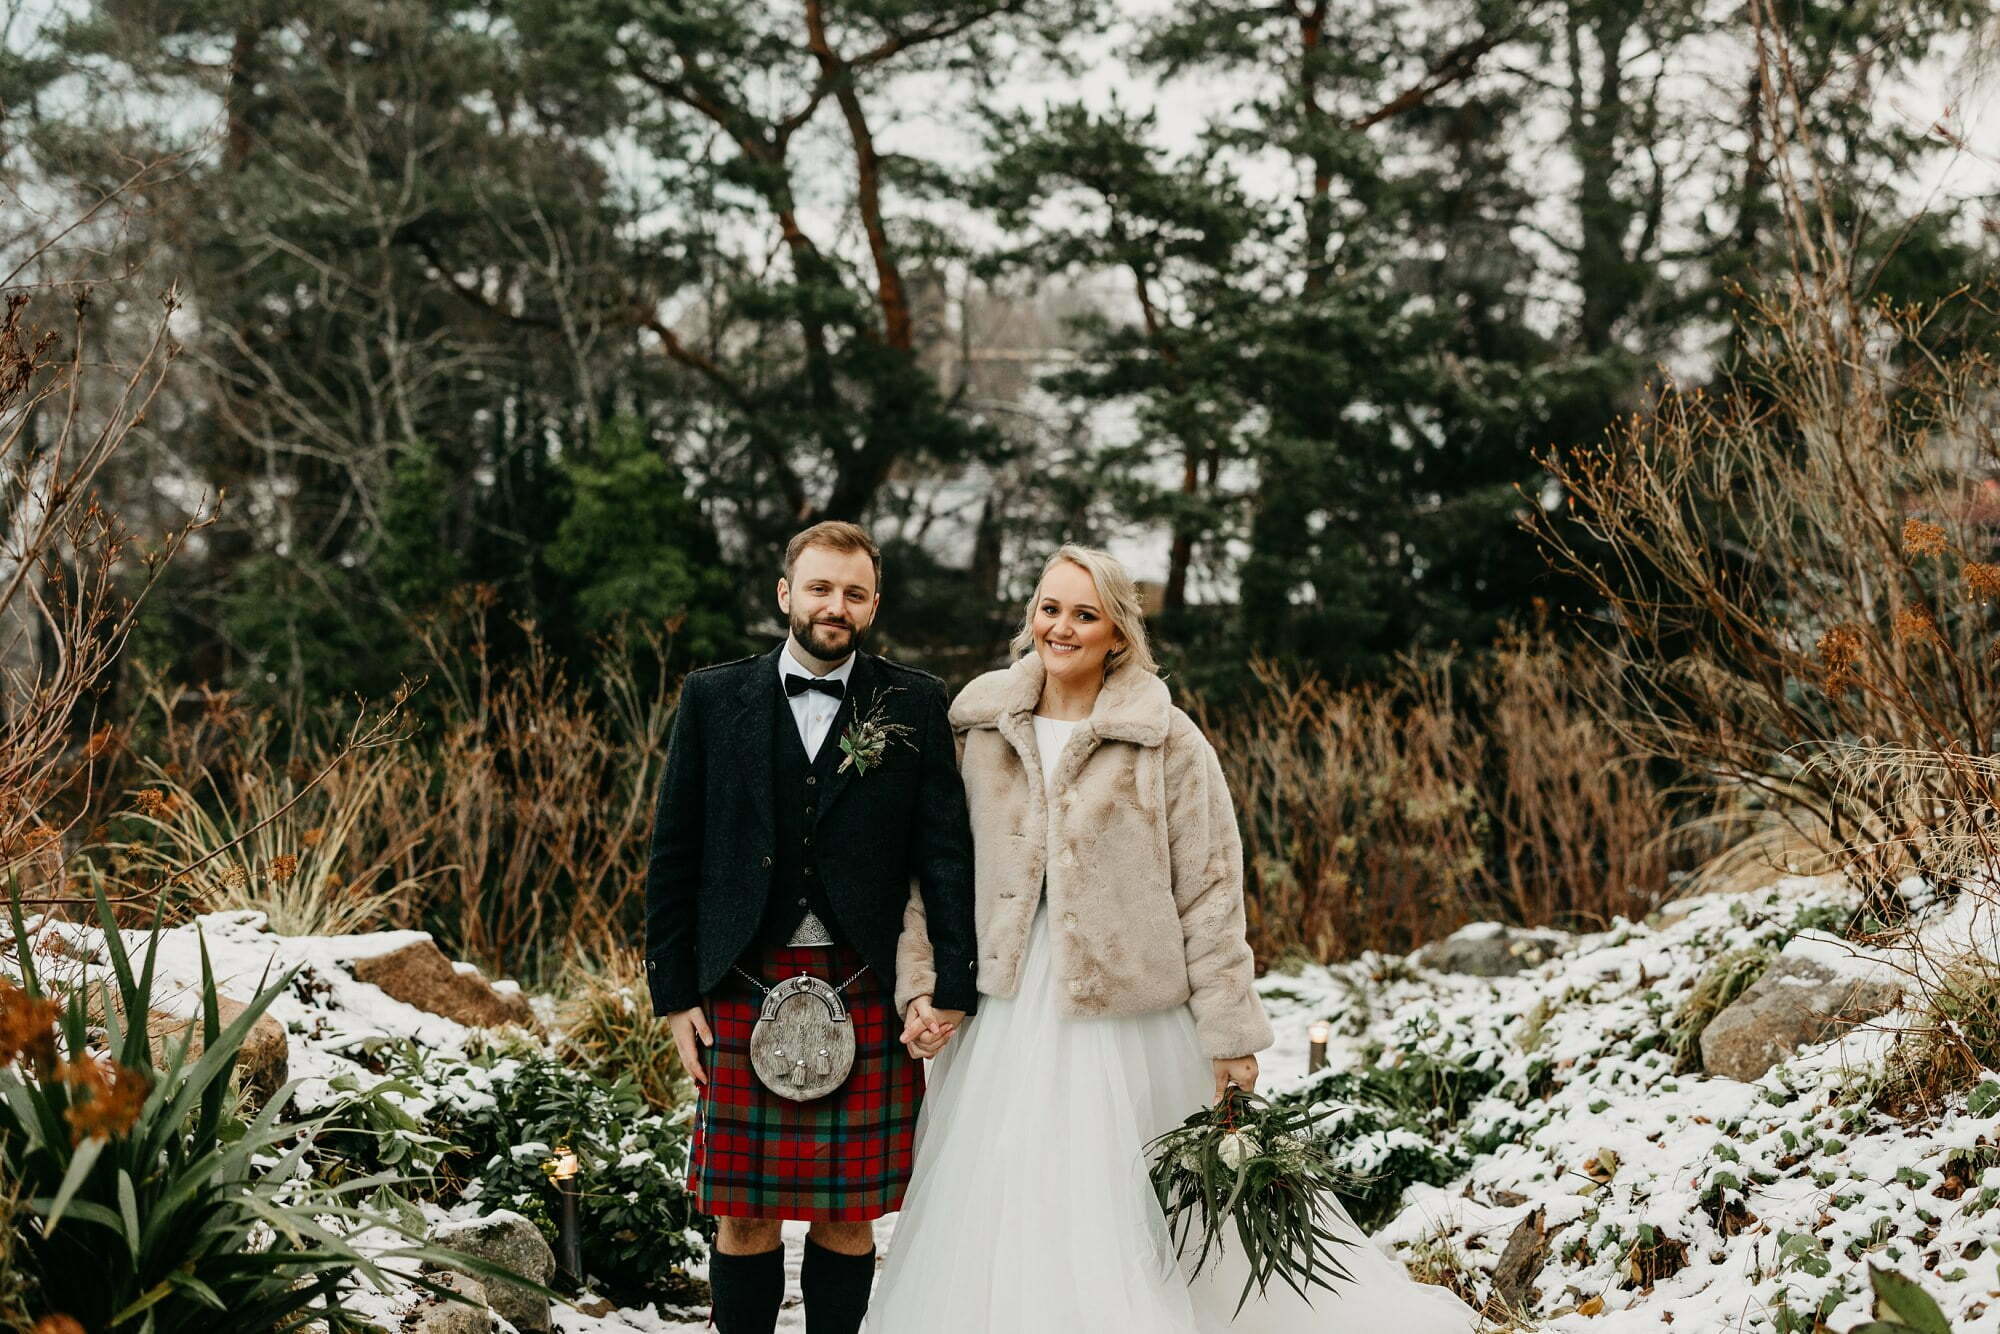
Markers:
<point>828,643</point>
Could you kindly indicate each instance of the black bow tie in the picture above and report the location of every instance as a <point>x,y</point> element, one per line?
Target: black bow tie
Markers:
<point>798,685</point>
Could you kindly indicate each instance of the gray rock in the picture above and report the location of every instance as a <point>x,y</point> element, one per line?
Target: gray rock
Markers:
<point>1797,1002</point>
<point>435,1315</point>
<point>1491,949</point>
<point>505,1238</point>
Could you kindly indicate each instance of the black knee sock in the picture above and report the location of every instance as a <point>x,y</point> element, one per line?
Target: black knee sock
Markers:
<point>836,1289</point>
<point>747,1291</point>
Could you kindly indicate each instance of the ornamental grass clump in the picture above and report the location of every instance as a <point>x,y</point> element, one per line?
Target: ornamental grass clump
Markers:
<point>145,1202</point>
<point>1246,1162</point>
<point>1952,1044</point>
<point>607,1027</point>
<point>1726,979</point>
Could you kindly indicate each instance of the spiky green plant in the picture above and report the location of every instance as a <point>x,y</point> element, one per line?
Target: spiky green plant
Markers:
<point>170,1213</point>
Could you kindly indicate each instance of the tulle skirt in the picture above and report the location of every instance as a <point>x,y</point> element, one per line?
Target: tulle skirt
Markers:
<point>1029,1211</point>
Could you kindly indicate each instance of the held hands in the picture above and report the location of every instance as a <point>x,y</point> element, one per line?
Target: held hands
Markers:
<point>687,1026</point>
<point>1239,1070</point>
<point>926,1029</point>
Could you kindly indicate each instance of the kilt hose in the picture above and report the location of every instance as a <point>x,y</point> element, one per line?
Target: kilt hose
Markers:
<point>843,1158</point>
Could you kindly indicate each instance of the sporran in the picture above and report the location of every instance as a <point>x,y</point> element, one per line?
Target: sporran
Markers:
<point>802,1045</point>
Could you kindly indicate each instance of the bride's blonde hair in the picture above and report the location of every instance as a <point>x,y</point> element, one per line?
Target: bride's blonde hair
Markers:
<point>1121,603</point>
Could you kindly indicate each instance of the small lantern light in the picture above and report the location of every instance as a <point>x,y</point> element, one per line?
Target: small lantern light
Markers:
<point>563,1169</point>
<point>1316,1036</point>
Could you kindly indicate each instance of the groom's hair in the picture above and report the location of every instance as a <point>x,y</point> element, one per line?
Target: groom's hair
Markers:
<point>839,535</point>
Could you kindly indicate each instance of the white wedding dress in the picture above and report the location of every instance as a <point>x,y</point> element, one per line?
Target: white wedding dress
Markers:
<point>1029,1211</point>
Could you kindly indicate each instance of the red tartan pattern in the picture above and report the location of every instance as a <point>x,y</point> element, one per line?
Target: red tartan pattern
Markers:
<point>842,1158</point>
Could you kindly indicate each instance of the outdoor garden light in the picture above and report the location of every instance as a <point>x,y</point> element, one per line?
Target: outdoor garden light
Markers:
<point>569,1244</point>
<point>1316,1037</point>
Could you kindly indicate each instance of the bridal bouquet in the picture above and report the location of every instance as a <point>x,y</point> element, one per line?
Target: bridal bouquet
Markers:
<point>1247,1162</point>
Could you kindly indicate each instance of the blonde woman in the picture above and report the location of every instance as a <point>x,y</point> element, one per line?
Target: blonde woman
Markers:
<point>1116,997</point>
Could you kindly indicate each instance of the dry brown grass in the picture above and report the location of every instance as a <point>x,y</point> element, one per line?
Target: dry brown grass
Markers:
<point>1952,1047</point>
<point>514,825</point>
<point>1358,831</point>
<point>1384,816</point>
<point>238,810</point>
<point>607,1026</point>
<point>536,802</point>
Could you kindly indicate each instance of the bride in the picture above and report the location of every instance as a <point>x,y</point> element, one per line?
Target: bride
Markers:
<point>1116,998</point>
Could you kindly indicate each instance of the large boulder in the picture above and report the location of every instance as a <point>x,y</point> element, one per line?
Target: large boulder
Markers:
<point>1797,1002</point>
<point>262,1062</point>
<point>418,974</point>
<point>435,1315</point>
<point>1492,949</point>
<point>506,1239</point>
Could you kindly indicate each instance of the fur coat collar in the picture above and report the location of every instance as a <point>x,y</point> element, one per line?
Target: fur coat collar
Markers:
<point>1133,706</point>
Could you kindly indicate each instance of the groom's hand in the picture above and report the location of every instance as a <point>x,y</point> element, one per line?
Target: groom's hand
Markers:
<point>687,1026</point>
<point>926,1029</point>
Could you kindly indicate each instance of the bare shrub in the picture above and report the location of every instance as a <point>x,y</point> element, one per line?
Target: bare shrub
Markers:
<point>64,615</point>
<point>1800,567</point>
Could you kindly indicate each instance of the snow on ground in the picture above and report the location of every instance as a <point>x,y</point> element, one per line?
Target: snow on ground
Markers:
<point>1828,1186</point>
<point>1782,1191</point>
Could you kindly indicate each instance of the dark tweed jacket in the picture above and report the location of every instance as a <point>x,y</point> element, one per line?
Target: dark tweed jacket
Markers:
<point>709,874</point>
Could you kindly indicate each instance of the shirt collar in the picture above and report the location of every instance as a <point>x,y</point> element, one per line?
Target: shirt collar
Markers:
<point>789,666</point>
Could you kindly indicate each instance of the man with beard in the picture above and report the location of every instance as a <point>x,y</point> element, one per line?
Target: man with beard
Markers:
<point>806,790</point>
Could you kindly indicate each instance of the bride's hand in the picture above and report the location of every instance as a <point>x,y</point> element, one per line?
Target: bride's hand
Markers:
<point>926,1029</point>
<point>1239,1070</point>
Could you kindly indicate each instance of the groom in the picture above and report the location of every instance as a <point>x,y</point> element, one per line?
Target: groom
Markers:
<point>775,853</point>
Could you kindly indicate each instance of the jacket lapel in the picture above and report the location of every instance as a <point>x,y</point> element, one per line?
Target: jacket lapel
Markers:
<point>751,735</point>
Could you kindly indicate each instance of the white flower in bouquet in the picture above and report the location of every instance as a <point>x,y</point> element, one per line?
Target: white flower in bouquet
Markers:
<point>1236,1148</point>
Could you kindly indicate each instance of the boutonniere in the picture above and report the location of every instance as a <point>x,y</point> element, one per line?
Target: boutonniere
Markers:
<point>869,737</point>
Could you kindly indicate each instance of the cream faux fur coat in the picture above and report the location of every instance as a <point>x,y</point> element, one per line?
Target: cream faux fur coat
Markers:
<point>1143,862</point>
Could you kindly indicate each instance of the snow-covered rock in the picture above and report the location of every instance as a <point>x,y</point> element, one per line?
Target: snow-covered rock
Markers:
<point>1492,949</point>
<point>505,1238</point>
<point>1802,999</point>
<point>435,1315</point>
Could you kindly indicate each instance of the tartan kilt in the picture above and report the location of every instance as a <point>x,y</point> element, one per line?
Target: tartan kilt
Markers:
<point>841,1158</point>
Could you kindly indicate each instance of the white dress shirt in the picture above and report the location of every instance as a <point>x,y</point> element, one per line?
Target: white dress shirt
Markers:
<point>813,710</point>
